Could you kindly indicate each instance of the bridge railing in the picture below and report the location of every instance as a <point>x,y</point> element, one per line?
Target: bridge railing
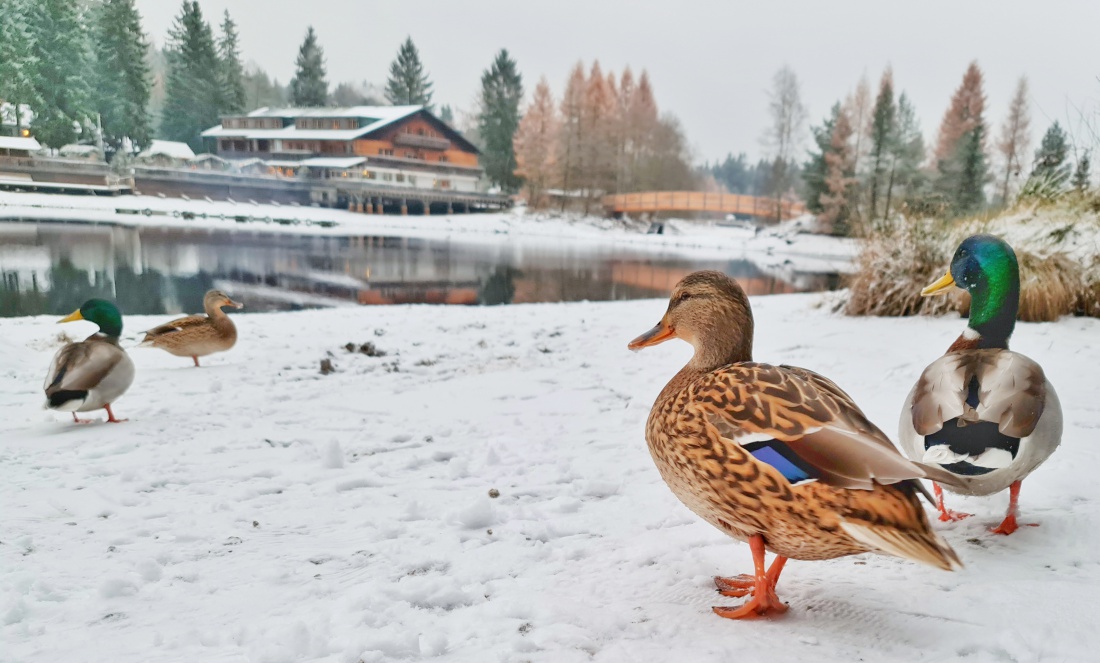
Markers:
<point>700,201</point>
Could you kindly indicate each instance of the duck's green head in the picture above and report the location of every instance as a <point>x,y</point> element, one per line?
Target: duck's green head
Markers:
<point>102,312</point>
<point>986,267</point>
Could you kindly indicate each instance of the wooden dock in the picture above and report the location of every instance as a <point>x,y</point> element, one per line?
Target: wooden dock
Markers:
<point>651,202</point>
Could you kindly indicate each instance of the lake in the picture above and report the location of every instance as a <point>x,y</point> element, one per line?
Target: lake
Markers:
<point>51,268</point>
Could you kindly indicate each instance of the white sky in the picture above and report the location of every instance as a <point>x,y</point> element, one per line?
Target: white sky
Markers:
<point>710,62</point>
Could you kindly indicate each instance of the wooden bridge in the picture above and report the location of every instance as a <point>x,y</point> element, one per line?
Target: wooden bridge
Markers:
<point>648,202</point>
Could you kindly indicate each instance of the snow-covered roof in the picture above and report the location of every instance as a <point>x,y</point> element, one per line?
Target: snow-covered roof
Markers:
<point>168,148</point>
<point>19,143</point>
<point>74,149</point>
<point>334,162</point>
<point>378,116</point>
<point>208,157</point>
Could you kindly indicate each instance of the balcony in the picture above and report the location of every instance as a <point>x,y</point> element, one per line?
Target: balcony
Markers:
<point>425,142</point>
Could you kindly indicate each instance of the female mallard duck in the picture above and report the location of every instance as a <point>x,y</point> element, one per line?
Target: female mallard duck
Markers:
<point>987,415</point>
<point>197,335</point>
<point>92,373</point>
<point>777,456</point>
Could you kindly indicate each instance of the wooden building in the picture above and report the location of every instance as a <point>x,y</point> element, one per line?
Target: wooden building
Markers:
<point>398,146</point>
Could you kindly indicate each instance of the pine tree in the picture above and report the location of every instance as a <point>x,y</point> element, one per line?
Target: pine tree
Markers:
<point>123,80</point>
<point>734,174</point>
<point>447,114</point>
<point>234,98</point>
<point>535,145</point>
<point>18,61</point>
<point>883,136</point>
<point>498,118</point>
<point>193,91</point>
<point>906,156</point>
<point>1082,174</point>
<point>408,84</point>
<point>309,88</point>
<point>1015,138</point>
<point>815,170</point>
<point>960,148</point>
<point>63,71</point>
<point>260,91</point>
<point>1050,158</point>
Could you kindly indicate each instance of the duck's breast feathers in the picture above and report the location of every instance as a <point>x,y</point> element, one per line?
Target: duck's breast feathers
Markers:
<point>785,408</point>
<point>994,385</point>
<point>82,366</point>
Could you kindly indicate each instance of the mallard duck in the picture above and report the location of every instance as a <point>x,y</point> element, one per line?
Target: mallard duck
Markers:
<point>987,415</point>
<point>90,374</point>
<point>197,335</point>
<point>778,456</point>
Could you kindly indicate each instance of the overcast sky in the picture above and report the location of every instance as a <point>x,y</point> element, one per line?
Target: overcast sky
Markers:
<point>711,63</point>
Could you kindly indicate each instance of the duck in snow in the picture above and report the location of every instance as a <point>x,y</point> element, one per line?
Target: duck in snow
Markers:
<point>197,335</point>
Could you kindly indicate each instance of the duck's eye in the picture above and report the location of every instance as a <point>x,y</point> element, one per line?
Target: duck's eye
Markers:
<point>684,296</point>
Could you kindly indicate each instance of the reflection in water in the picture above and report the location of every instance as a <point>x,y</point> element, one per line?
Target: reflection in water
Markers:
<point>53,267</point>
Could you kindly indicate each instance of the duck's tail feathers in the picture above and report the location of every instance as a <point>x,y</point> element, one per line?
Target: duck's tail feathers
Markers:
<point>66,400</point>
<point>926,547</point>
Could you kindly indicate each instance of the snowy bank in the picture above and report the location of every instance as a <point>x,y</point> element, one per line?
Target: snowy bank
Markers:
<point>256,510</point>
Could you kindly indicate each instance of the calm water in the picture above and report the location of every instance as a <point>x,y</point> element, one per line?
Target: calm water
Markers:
<point>51,268</point>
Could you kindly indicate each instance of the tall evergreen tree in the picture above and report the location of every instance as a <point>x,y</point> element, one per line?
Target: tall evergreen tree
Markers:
<point>960,150</point>
<point>234,98</point>
<point>447,114</point>
<point>260,90</point>
<point>123,80</point>
<point>1082,174</point>
<point>62,75</point>
<point>1050,158</point>
<point>498,119</point>
<point>408,84</point>
<point>17,59</point>
<point>815,170</point>
<point>840,179</point>
<point>906,156</point>
<point>193,91</point>
<point>309,87</point>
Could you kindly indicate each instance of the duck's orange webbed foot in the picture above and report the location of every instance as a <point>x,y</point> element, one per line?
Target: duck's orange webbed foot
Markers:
<point>761,585</point>
<point>1009,524</point>
<point>946,515</point>
<point>82,421</point>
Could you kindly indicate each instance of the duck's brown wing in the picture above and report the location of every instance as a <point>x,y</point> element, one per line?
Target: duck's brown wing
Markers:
<point>80,367</point>
<point>750,403</point>
<point>175,326</point>
<point>1011,391</point>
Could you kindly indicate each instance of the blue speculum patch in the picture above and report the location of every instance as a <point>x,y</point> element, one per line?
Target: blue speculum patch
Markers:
<point>780,456</point>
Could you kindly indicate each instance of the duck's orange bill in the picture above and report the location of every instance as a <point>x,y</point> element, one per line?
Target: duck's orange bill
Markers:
<point>659,334</point>
<point>75,315</point>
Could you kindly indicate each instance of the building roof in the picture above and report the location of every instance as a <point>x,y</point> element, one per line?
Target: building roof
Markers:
<point>334,162</point>
<point>168,148</point>
<point>374,117</point>
<point>19,143</point>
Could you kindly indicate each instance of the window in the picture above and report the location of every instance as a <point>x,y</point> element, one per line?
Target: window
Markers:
<point>444,184</point>
<point>385,152</point>
<point>387,177</point>
<point>400,177</point>
<point>443,158</point>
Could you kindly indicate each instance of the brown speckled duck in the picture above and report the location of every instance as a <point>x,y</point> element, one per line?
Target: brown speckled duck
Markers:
<point>197,335</point>
<point>778,456</point>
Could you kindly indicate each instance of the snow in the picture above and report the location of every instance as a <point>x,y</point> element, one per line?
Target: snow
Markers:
<point>782,246</point>
<point>256,510</point>
<point>168,148</point>
<point>19,143</point>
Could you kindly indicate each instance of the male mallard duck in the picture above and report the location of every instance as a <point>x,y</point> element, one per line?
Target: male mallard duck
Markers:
<point>92,373</point>
<point>777,456</point>
<point>987,415</point>
<point>197,335</point>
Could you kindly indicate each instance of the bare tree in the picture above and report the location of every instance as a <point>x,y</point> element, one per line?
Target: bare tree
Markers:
<point>858,108</point>
<point>1015,140</point>
<point>784,138</point>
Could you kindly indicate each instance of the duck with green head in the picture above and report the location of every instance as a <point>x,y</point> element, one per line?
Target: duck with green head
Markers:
<point>987,415</point>
<point>91,374</point>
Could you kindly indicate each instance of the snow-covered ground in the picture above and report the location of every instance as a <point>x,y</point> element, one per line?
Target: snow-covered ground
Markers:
<point>256,510</point>
<point>815,252</point>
